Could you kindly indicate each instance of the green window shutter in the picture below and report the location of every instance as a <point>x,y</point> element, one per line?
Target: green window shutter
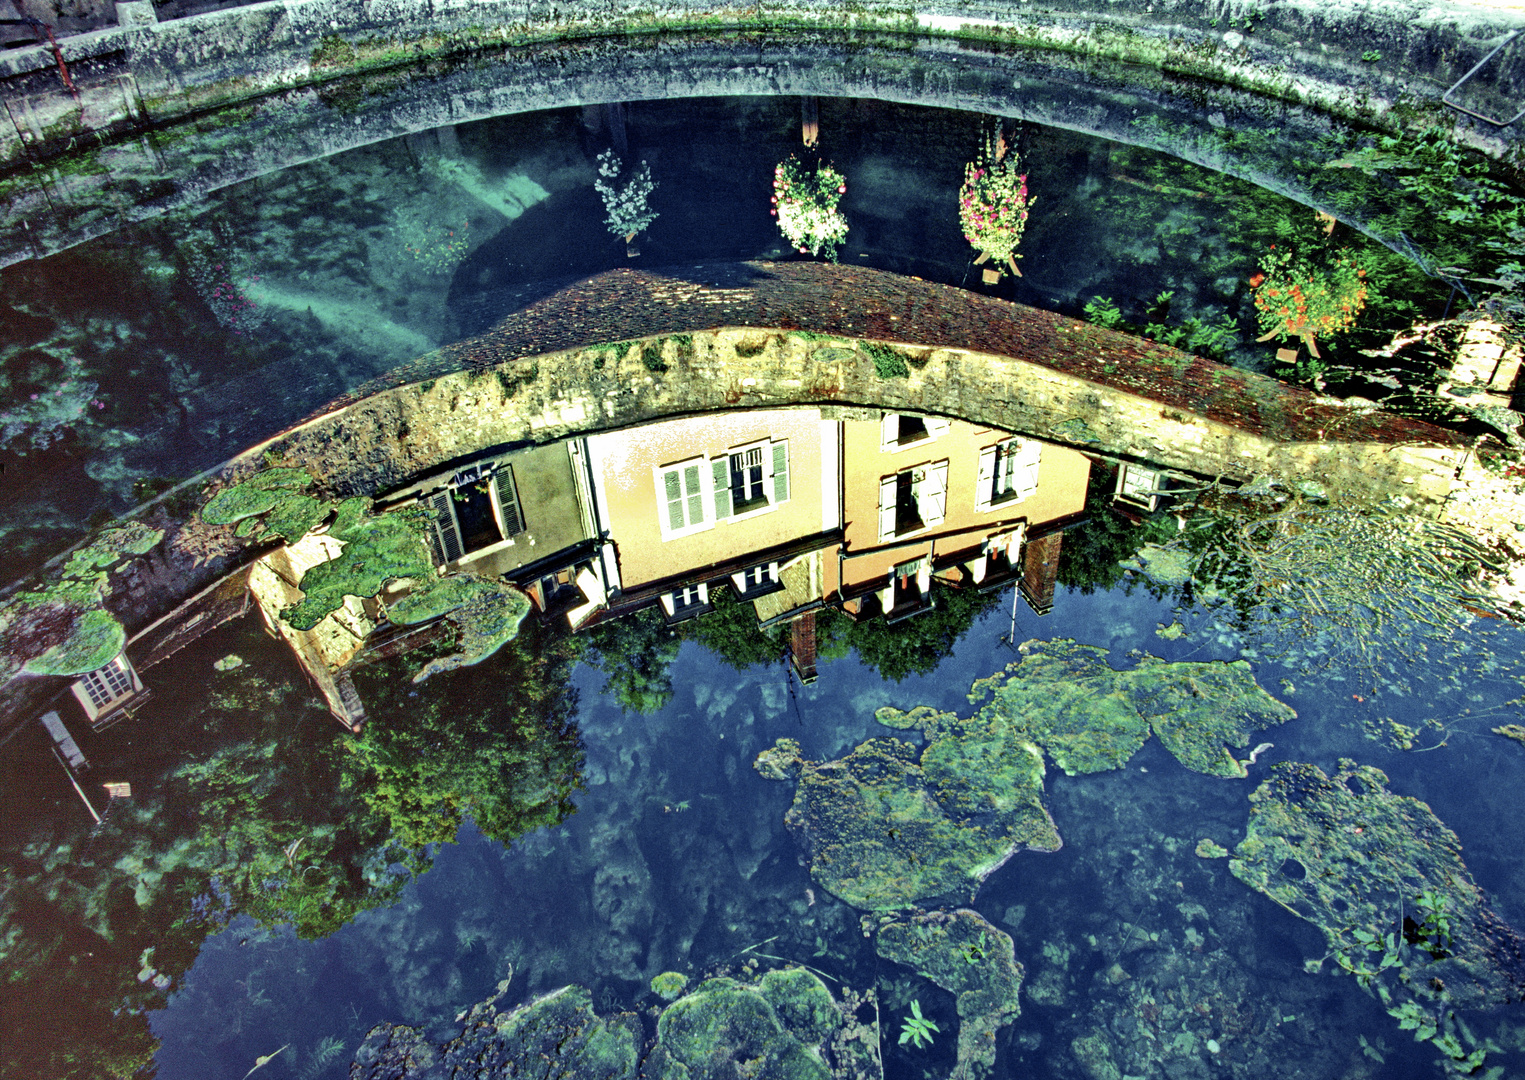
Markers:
<point>674,492</point>
<point>781,472</point>
<point>721,471</point>
<point>509,515</point>
<point>446,544</point>
<point>694,494</point>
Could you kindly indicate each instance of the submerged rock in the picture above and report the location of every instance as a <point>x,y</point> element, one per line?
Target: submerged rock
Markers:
<point>1092,718</point>
<point>885,827</point>
<point>553,1036</point>
<point>965,955</point>
<point>787,1026</point>
<point>1362,864</point>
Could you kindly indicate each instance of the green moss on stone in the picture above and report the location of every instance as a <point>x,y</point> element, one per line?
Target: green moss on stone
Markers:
<point>883,829</point>
<point>965,955</point>
<point>669,984</point>
<point>1349,856</point>
<point>1091,718</point>
<point>96,639</point>
<point>802,1002</point>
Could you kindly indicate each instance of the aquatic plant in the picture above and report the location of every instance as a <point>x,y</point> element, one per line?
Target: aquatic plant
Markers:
<point>1361,863</point>
<point>487,612</point>
<point>917,1029</point>
<point>993,203</point>
<point>962,953</point>
<point>627,209</point>
<point>805,203</point>
<point>1296,297</point>
<point>44,396</point>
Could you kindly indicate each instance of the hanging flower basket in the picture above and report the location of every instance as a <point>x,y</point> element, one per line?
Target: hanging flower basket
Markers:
<point>1295,298</point>
<point>626,207</point>
<point>993,205</point>
<point>805,203</point>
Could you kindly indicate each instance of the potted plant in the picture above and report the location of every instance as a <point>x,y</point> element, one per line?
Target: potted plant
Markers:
<point>805,202</point>
<point>1297,297</point>
<point>627,207</point>
<point>993,205</point>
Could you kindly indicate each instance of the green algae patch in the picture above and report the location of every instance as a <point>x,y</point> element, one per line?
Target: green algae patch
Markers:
<point>787,1026</point>
<point>669,984</point>
<point>884,827</point>
<point>1367,867</point>
<point>972,960</point>
<point>1092,718</point>
<point>560,1035</point>
<point>96,639</point>
<point>487,614</point>
<point>62,629</point>
<point>781,1029</point>
<point>276,496</point>
<point>377,549</point>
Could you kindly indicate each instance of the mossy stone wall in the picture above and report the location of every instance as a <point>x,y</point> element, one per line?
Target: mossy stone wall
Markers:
<point>166,113</point>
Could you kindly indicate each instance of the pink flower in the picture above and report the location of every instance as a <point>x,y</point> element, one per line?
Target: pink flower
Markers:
<point>34,397</point>
<point>841,189</point>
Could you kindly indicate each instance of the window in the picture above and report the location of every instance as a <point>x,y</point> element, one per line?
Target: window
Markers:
<point>913,499</point>
<point>1139,486</point>
<point>743,481</point>
<point>681,491</point>
<point>909,591</point>
<point>897,430</point>
<point>756,581</point>
<point>686,602</point>
<point>1008,473</point>
<point>477,509</point>
<point>107,684</point>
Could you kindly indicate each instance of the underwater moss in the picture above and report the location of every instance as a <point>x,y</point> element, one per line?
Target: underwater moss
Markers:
<point>1356,860</point>
<point>882,829</point>
<point>275,492</point>
<point>723,1030</point>
<point>377,550</point>
<point>1092,718</point>
<point>488,614</point>
<point>786,1027</point>
<point>1511,731</point>
<point>669,984</point>
<point>965,955</point>
<point>555,1035</point>
<point>94,642</point>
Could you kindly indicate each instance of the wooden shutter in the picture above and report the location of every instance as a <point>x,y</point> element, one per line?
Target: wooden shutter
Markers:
<point>932,494</point>
<point>693,493</point>
<point>672,489</point>
<point>889,431</point>
<point>720,469</point>
<point>1024,477</point>
<point>937,426</point>
<point>781,472</point>
<point>984,484</point>
<point>886,508</point>
<point>510,517</point>
<point>445,537</point>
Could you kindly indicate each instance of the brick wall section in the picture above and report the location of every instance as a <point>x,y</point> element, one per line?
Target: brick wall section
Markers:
<point>1040,571</point>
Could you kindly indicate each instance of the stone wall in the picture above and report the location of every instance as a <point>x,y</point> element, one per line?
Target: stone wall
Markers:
<point>165,113</point>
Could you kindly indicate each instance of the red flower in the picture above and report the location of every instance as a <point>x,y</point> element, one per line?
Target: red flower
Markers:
<point>1256,280</point>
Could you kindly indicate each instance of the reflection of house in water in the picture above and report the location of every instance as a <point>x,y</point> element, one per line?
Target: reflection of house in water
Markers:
<point>798,509</point>
<point>790,509</point>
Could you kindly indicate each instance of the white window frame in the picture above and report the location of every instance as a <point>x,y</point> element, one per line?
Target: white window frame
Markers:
<point>929,487</point>
<point>687,593</point>
<point>889,431</point>
<point>704,493</point>
<point>1137,484</point>
<point>920,568</point>
<point>1021,461</point>
<point>763,571</point>
<point>776,479</point>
